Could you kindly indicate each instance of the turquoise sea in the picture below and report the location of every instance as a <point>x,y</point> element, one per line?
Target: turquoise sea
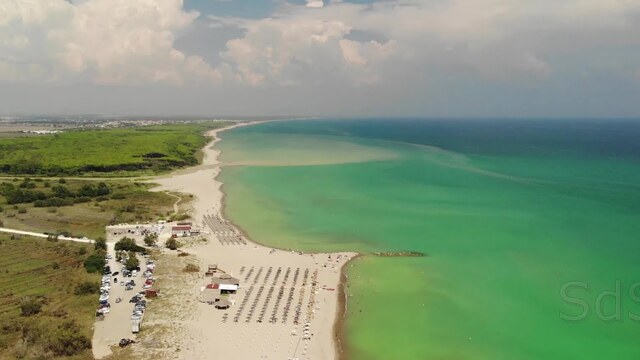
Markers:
<point>531,229</point>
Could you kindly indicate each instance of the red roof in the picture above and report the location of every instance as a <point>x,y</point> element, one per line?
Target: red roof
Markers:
<point>181,228</point>
<point>212,286</point>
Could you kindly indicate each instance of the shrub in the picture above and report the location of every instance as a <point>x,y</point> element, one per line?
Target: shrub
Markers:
<point>82,251</point>
<point>30,306</point>
<point>117,196</point>
<point>81,199</point>
<point>55,266</point>
<point>179,217</point>
<point>190,268</point>
<point>22,210</point>
<point>151,239</point>
<point>100,244</point>
<point>67,340</point>
<point>95,262</point>
<point>128,244</point>
<point>62,181</point>
<point>132,262</point>
<point>87,288</point>
<point>128,208</point>
<point>171,244</point>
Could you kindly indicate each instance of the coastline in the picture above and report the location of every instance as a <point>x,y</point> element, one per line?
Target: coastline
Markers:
<point>208,202</point>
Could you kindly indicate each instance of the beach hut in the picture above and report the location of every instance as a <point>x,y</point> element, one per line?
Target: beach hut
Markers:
<point>225,279</point>
<point>222,304</point>
<point>181,230</point>
<point>150,293</point>
<point>210,296</point>
<point>211,270</point>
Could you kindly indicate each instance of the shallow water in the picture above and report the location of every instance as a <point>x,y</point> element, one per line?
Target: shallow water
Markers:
<point>508,212</point>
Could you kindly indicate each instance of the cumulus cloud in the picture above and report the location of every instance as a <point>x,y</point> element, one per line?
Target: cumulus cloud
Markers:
<point>316,42</point>
<point>105,41</point>
<point>489,39</point>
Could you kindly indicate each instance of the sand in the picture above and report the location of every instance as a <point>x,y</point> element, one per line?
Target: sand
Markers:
<point>179,326</point>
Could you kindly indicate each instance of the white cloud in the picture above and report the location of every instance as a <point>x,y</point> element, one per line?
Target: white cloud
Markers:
<point>488,39</point>
<point>410,41</point>
<point>315,3</point>
<point>106,41</point>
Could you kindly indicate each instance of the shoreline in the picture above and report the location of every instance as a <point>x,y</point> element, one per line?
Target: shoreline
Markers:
<point>339,331</point>
<point>212,164</point>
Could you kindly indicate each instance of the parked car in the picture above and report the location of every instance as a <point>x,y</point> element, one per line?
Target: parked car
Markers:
<point>115,273</point>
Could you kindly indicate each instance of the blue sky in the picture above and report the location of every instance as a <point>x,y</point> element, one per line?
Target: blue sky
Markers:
<point>431,58</point>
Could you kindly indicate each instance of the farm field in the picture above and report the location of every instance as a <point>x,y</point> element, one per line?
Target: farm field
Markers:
<point>46,273</point>
<point>113,152</point>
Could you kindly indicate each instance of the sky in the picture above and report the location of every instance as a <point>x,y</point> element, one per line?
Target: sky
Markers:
<point>425,58</point>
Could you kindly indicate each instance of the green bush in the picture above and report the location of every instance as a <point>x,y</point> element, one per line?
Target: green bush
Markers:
<point>30,306</point>
<point>67,340</point>
<point>100,244</point>
<point>87,288</point>
<point>128,244</point>
<point>132,262</point>
<point>95,262</point>
<point>171,244</point>
<point>151,239</point>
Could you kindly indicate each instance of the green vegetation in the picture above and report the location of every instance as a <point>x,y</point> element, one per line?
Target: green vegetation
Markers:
<point>148,150</point>
<point>151,239</point>
<point>30,306</point>
<point>87,288</point>
<point>128,244</point>
<point>100,244</point>
<point>127,202</point>
<point>171,244</point>
<point>41,316</point>
<point>132,261</point>
<point>95,262</point>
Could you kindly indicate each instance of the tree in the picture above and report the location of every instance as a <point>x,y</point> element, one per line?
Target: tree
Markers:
<point>128,244</point>
<point>171,244</point>
<point>151,239</point>
<point>100,244</point>
<point>95,262</point>
<point>132,262</point>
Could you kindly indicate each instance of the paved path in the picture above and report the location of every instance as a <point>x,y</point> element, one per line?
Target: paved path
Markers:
<point>41,235</point>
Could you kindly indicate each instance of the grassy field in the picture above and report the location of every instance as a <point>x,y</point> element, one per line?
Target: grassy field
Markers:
<point>127,202</point>
<point>127,151</point>
<point>46,272</point>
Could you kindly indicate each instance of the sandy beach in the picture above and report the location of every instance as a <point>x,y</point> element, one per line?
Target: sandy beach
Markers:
<point>287,304</point>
